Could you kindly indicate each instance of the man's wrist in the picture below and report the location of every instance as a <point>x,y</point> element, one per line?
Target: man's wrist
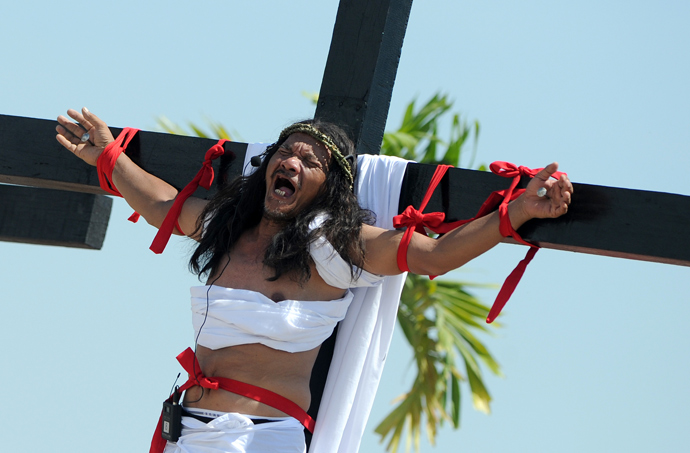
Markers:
<point>517,213</point>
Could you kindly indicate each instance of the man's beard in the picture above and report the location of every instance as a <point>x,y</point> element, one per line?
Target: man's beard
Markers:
<point>278,216</point>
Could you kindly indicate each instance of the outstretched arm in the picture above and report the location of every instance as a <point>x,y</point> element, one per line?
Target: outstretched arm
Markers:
<point>148,195</point>
<point>428,256</point>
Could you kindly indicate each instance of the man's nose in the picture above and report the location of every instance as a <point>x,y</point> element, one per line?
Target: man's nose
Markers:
<point>292,164</point>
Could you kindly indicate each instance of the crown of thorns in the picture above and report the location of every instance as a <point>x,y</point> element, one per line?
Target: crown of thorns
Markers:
<point>327,142</point>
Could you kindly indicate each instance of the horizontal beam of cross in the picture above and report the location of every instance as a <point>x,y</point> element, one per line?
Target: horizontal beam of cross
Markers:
<point>53,217</point>
<point>34,158</point>
<point>608,221</point>
<point>602,220</point>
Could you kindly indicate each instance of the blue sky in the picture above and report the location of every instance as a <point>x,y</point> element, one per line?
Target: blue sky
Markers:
<point>593,349</point>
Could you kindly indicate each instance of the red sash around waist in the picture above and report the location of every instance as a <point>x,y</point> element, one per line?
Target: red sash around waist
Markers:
<point>190,364</point>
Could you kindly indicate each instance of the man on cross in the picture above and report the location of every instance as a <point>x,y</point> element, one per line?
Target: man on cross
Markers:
<point>281,249</point>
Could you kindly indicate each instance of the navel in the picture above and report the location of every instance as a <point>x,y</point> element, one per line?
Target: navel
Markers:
<point>277,297</point>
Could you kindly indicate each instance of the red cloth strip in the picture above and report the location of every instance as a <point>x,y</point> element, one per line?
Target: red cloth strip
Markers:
<point>414,217</point>
<point>510,284</point>
<point>106,161</point>
<point>105,164</point>
<point>435,222</point>
<point>203,178</point>
<point>190,364</point>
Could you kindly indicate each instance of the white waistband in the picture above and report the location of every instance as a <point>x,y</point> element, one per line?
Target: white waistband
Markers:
<point>215,414</point>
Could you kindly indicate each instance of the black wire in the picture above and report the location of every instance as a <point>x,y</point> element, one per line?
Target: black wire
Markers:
<point>208,290</point>
<point>172,389</point>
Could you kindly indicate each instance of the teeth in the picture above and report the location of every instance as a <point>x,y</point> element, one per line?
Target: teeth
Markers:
<point>280,192</point>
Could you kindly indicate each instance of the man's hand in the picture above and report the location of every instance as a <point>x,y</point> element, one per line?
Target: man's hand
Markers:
<point>553,204</point>
<point>70,135</point>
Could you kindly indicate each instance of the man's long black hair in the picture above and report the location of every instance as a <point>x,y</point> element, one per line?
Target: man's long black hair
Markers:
<point>240,205</point>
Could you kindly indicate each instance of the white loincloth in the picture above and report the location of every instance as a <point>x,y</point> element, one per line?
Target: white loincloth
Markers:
<point>235,433</point>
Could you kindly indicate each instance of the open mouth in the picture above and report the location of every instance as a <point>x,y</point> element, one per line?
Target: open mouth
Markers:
<point>283,187</point>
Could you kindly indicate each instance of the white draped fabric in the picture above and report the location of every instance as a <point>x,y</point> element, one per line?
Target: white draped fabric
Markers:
<point>365,334</point>
<point>332,268</point>
<point>235,433</point>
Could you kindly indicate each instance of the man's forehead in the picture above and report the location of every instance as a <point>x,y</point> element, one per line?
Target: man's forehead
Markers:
<point>298,140</point>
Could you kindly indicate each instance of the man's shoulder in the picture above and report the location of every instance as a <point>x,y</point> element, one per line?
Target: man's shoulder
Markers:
<point>379,180</point>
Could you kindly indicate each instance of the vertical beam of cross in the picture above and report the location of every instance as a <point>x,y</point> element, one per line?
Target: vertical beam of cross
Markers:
<point>355,94</point>
<point>360,71</point>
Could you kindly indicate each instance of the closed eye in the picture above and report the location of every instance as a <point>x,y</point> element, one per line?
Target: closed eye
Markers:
<point>309,160</point>
<point>312,162</point>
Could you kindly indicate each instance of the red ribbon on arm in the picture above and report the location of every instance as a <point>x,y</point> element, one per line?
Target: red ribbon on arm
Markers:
<point>509,170</point>
<point>414,217</point>
<point>105,164</point>
<point>190,364</point>
<point>435,222</point>
<point>203,178</point>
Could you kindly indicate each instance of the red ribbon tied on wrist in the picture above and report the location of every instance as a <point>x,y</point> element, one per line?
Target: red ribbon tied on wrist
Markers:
<point>435,222</point>
<point>509,170</point>
<point>105,164</point>
<point>414,217</point>
<point>203,178</point>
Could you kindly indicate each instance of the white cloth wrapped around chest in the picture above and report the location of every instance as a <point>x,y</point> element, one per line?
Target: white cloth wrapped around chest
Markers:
<point>240,316</point>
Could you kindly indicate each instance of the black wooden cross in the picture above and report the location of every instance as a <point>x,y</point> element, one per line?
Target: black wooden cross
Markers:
<point>355,93</point>
<point>49,197</point>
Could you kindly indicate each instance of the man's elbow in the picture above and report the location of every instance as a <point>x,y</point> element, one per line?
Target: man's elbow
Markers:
<point>430,267</point>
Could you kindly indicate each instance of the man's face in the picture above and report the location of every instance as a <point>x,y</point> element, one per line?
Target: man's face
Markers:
<point>295,176</point>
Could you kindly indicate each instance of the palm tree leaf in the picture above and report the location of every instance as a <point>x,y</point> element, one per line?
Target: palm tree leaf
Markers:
<point>197,130</point>
<point>455,405</point>
<point>480,396</point>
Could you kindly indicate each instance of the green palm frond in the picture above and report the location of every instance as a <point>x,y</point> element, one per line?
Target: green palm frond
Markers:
<point>433,317</point>
<point>217,129</point>
<point>439,319</point>
<point>418,137</point>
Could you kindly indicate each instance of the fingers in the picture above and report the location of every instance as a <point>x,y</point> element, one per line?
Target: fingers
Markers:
<point>92,119</point>
<point>562,197</point>
<point>73,136</point>
<point>69,144</point>
<point>85,120</point>
<point>564,189</point>
<point>70,128</point>
<point>560,191</point>
<point>82,122</point>
<point>546,172</point>
<point>547,196</point>
<point>565,184</point>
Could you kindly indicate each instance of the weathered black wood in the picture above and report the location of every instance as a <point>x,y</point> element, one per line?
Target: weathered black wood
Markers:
<point>355,94</point>
<point>609,221</point>
<point>30,156</point>
<point>360,72</point>
<point>53,217</point>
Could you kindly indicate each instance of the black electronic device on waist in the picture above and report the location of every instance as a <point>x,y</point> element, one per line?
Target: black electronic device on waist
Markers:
<point>171,428</point>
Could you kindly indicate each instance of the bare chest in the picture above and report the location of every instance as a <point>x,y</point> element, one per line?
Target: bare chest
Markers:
<point>244,271</point>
